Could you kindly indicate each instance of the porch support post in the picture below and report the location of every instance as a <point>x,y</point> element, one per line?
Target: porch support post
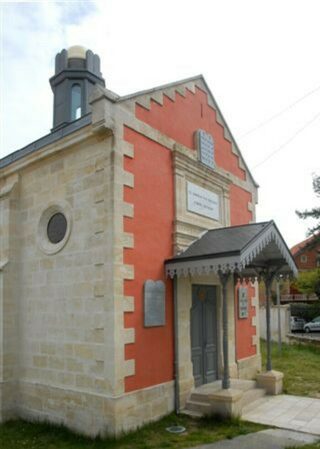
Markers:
<point>268,282</point>
<point>225,345</point>
<point>176,345</point>
<point>271,381</point>
<point>268,275</point>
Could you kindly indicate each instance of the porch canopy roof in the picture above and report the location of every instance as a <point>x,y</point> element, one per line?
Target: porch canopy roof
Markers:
<point>246,250</point>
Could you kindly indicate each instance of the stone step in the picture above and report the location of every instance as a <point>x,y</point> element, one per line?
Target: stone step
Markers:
<point>199,397</point>
<point>191,413</point>
<point>200,407</point>
<point>251,399</point>
<point>244,385</point>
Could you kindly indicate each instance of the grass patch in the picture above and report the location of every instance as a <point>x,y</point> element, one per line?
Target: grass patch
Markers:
<point>308,446</point>
<point>300,366</point>
<point>20,434</point>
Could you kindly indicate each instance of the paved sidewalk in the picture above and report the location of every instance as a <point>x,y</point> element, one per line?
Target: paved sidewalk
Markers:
<point>265,439</point>
<point>287,412</point>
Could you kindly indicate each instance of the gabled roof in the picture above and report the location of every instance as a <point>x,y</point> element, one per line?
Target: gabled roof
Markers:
<point>243,249</point>
<point>142,97</point>
<point>54,136</point>
<point>304,245</point>
<point>200,82</point>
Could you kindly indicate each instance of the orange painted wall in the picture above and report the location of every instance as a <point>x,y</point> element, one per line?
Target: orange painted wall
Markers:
<point>180,118</point>
<point>152,225</point>
<point>244,328</point>
<point>239,213</point>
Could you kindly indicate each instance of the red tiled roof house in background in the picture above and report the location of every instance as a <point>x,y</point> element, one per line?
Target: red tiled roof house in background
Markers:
<point>307,254</point>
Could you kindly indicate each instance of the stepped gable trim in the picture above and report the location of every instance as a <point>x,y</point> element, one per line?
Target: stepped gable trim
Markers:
<point>145,96</point>
<point>155,94</point>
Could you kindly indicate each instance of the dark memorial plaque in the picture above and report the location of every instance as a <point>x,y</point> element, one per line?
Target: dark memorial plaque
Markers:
<point>205,146</point>
<point>154,303</point>
<point>243,302</point>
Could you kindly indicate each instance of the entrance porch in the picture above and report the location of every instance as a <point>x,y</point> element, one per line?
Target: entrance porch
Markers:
<point>216,316</point>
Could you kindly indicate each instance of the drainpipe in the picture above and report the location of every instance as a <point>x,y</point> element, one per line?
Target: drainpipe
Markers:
<point>225,346</point>
<point>176,346</point>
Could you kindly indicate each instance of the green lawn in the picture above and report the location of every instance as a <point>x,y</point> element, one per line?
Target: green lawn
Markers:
<point>307,446</point>
<point>300,365</point>
<point>19,434</point>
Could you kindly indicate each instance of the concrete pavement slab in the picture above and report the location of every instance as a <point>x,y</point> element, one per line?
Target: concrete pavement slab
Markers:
<point>287,412</point>
<point>265,439</point>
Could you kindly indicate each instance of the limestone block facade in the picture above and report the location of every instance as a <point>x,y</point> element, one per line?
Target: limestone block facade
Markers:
<point>73,346</point>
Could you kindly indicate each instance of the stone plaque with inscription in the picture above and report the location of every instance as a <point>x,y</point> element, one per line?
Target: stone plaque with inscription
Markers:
<point>154,303</point>
<point>202,201</point>
<point>205,146</point>
<point>243,302</point>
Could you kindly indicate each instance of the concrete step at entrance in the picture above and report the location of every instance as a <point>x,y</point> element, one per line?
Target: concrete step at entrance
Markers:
<point>244,385</point>
<point>198,403</point>
<point>200,407</point>
<point>192,413</point>
<point>250,396</point>
<point>199,397</point>
<point>251,406</point>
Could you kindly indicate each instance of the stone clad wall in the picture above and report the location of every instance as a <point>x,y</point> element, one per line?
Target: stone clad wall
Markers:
<point>63,324</point>
<point>57,362</point>
<point>62,352</point>
<point>9,203</point>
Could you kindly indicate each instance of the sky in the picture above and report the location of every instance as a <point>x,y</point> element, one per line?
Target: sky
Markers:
<point>260,59</point>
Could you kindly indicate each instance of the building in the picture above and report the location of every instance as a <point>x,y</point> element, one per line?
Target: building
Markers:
<point>117,302</point>
<point>306,254</point>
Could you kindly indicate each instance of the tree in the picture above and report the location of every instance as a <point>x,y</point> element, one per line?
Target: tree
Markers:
<point>308,282</point>
<point>314,212</point>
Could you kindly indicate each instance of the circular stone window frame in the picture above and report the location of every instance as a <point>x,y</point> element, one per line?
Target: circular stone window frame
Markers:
<point>43,240</point>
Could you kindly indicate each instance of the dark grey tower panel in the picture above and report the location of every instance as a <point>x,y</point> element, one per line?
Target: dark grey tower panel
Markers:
<point>73,74</point>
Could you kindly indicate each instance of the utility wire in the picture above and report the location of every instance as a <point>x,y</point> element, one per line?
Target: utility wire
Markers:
<point>278,114</point>
<point>284,144</point>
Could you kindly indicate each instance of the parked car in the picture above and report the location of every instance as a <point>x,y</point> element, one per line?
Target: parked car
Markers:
<point>313,325</point>
<point>297,323</point>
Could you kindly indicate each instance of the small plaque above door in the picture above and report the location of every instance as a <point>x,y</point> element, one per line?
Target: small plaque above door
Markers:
<point>154,303</point>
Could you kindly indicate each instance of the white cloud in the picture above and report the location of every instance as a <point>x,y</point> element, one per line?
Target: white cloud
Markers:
<point>257,57</point>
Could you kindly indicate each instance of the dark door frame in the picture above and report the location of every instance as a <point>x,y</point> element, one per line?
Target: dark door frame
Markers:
<point>204,356</point>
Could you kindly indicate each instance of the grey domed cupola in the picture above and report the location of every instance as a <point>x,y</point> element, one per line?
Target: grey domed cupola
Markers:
<point>77,70</point>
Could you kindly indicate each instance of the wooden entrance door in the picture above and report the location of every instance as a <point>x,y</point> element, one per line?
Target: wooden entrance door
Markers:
<point>204,333</point>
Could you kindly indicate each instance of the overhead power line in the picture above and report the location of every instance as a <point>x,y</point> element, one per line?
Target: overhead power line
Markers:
<point>278,114</point>
<point>284,144</point>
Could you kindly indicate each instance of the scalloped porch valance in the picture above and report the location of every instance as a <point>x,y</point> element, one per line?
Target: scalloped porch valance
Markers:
<point>245,249</point>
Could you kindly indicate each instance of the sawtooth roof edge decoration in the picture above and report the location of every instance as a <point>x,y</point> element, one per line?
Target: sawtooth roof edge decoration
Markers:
<point>254,247</point>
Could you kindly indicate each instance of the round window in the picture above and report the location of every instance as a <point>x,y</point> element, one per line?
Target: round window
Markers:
<point>57,228</point>
<point>54,227</point>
